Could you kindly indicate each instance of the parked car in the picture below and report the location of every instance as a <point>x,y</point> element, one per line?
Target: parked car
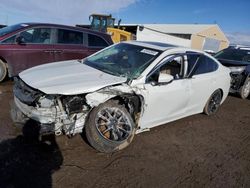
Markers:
<point>237,58</point>
<point>124,89</point>
<point>29,44</point>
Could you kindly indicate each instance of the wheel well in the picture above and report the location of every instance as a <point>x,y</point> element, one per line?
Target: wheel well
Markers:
<point>3,60</point>
<point>133,103</point>
<point>221,92</point>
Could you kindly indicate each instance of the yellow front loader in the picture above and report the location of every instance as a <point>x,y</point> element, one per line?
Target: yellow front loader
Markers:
<point>106,23</point>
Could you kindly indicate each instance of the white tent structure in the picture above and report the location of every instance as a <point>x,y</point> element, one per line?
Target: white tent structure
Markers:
<point>197,36</point>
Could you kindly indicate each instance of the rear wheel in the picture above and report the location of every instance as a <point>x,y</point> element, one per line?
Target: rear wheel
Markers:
<point>245,89</point>
<point>213,103</point>
<point>110,127</point>
<point>3,70</point>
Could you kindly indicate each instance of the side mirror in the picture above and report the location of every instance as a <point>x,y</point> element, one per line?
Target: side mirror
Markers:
<point>20,40</point>
<point>165,78</point>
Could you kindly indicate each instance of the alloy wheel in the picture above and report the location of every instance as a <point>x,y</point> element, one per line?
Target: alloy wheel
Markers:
<point>214,102</point>
<point>113,124</point>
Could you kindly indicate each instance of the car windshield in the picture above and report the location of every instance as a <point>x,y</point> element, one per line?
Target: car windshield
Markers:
<point>234,54</point>
<point>9,29</point>
<point>126,60</point>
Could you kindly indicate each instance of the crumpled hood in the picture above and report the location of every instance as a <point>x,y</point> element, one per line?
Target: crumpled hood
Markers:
<point>68,78</point>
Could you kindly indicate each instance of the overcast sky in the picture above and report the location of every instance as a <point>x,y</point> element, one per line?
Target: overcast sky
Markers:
<point>232,16</point>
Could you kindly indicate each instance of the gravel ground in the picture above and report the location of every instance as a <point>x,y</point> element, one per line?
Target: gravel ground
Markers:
<point>198,151</point>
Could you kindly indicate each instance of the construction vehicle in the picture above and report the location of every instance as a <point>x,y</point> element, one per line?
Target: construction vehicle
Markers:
<point>106,23</point>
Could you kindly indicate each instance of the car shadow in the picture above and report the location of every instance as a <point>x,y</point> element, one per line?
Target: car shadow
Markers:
<point>238,96</point>
<point>27,161</point>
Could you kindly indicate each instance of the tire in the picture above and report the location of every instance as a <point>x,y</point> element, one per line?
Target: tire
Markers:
<point>110,127</point>
<point>3,70</point>
<point>245,89</point>
<point>213,103</point>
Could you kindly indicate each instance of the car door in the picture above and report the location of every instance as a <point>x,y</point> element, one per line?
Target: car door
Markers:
<point>165,102</point>
<point>202,76</point>
<point>34,48</point>
<point>71,44</point>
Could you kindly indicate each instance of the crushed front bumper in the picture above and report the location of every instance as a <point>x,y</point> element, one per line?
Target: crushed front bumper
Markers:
<point>42,115</point>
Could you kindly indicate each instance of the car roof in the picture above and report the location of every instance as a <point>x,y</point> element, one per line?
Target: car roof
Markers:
<point>239,47</point>
<point>154,45</point>
<point>30,24</point>
<point>163,46</point>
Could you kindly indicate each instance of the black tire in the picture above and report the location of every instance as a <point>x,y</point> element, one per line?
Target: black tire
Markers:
<point>245,89</point>
<point>213,103</point>
<point>3,70</point>
<point>110,127</point>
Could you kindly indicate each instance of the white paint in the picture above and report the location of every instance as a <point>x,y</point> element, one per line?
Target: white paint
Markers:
<point>68,78</point>
<point>96,98</point>
<point>161,103</point>
<point>180,98</point>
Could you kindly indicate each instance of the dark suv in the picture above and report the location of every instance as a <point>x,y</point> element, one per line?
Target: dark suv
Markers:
<point>237,58</point>
<point>29,44</point>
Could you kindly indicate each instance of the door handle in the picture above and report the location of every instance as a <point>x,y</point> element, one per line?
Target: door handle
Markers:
<point>48,51</point>
<point>58,51</point>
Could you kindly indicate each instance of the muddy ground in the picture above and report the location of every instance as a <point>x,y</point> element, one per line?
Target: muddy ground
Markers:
<point>198,151</point>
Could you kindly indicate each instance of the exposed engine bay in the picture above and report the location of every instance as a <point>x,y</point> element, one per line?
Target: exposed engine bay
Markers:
<point>60,114</point>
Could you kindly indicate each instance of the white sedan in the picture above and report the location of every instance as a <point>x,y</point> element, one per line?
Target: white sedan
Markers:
<point>122,90</point>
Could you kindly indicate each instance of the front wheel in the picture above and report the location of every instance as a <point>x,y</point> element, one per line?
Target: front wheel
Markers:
<point>3,70</point>
<point>110,127</point>
<point>213,103</point>
<point>245,89</point>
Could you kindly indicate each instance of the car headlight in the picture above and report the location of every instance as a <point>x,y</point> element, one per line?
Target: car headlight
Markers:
<point>237,69</point>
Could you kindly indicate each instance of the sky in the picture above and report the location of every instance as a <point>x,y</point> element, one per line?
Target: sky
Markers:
<point>233,16</point>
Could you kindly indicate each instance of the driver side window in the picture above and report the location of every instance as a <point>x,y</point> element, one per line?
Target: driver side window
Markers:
<point>173,66</point>
<point>37,35</point>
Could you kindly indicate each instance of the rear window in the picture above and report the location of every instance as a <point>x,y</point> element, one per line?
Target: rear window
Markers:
<point>200,64</point>
<point>205,65</point>
<point>96,41</point>
<point>192,61</point>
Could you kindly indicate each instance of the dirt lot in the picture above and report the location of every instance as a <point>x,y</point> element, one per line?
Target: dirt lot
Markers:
<point>197,151</point>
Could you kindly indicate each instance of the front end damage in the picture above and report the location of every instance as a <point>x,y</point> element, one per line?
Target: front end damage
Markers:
<point>239,76</point>
<point>66,114</point>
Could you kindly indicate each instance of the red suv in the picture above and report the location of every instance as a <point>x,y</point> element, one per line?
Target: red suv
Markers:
<point>29,44</point>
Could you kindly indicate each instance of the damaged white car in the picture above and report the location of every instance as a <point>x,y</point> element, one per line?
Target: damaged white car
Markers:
<point>122,90</point>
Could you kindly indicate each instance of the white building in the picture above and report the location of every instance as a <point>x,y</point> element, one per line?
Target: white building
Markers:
<point>197,36</point>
